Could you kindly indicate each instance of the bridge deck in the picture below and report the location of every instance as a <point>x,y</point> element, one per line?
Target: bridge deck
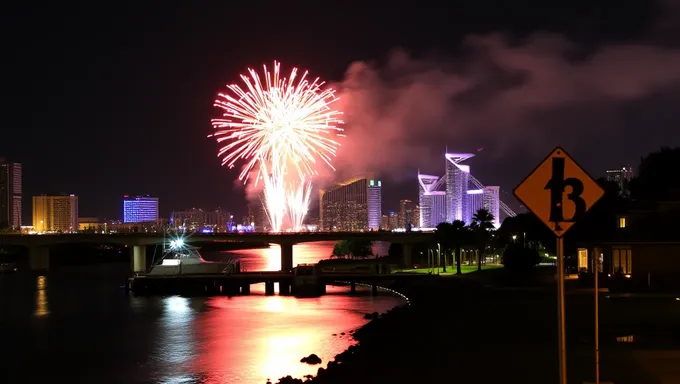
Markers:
<point>276,276</point>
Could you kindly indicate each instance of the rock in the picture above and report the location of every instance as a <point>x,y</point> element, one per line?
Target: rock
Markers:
<point>312,359</point>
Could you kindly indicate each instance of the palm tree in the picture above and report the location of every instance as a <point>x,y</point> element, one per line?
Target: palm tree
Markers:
<point>444,236</point>
<point>460,237</point>
<point>482,223</point>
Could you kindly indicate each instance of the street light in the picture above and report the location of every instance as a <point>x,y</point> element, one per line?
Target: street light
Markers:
<point>514,237</point>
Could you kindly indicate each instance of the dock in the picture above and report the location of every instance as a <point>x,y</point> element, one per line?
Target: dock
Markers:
<point>239,283</point>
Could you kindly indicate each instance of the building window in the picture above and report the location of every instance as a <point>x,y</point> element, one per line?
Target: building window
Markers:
<point>621,261</point>
<point>583,260</point>
<point>622,222</point>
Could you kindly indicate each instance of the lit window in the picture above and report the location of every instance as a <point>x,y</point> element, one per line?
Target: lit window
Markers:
<point>621,261</point>
<point>583,259</point>
<point>622,222</point>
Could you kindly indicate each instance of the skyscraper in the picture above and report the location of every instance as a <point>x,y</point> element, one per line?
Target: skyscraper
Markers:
<point>432,202</point>
<point>492,203</point>
<point>140,209</point>
<point>475,202</point>
<point>10,194</point>
<point>374,204</point>
<point>353,205</point>
<point>405,213</point>
<point>457,178</point>
<point>55,213</point>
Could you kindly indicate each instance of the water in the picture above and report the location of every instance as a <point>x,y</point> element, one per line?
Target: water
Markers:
<point>78,326</point>
<point>269,259</point>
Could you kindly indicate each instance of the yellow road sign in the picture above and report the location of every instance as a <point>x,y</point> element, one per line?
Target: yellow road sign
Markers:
<point>559,191</point>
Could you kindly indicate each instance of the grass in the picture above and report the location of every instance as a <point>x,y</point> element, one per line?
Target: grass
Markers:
<point>450,270</point>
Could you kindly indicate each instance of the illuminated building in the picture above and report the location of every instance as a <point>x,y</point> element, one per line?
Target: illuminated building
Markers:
<point>415,217</point>
<point>55,213</point>
<point>89,224</point>
<point>257,215</point>
<point>492,203</point>
<point>457,178</point>
<point>140,209</point>
<point>393,220</point>
<point>374,204</point>
<point>432,204</point>
<point>405,213</point>
<point>621,177</point>
<point>353,205</point>
<point>475,201</point>
<point>197,219</point>
<point>10,194</point>
<point>385,223</point>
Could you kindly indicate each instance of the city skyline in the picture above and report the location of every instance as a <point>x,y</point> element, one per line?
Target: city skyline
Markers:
<point>122,125</point>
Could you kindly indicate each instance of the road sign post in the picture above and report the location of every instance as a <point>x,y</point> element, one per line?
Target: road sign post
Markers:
<point>559,192</point>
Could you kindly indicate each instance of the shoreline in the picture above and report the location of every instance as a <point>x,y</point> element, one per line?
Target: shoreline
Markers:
<point>348,355</point>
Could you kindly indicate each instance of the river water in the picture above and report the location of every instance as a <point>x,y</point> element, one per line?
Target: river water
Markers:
<point>77,325</point>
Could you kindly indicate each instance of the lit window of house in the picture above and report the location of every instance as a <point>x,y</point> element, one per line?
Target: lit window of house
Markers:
<point>583,260</point>
<point>622,222</point>
<point>621,261</point>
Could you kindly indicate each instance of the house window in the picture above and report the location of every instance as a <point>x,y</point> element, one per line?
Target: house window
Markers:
<point>583,260</point>
<point>621,261</point>
<point>622,222</point>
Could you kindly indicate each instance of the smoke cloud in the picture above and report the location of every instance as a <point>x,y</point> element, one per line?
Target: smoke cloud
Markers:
<point>498,95</point>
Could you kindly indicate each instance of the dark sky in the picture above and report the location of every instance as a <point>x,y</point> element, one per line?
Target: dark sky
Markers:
<point>106,100</point>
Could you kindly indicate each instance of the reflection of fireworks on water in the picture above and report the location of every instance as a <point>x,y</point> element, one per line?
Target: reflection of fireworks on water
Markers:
<point>272,126</point>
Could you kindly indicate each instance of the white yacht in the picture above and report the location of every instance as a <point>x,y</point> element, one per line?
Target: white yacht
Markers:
<point>180,258</point>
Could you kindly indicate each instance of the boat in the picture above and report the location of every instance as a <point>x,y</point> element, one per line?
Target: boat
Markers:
<point>180,259</point>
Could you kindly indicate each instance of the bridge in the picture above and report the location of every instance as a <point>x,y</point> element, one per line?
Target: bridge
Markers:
<point>239,283</point>
<point>38,245</point>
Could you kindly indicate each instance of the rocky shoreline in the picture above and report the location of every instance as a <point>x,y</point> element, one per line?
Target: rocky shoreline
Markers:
<point>368,338</point>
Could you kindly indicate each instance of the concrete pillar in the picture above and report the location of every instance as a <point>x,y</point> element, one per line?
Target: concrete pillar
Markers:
<point>408,255</point>
<point>286,257</point>
<point>353,287</point>
<point>374,289</point>
<point>39,258</point>
<point>284,288</point>
<point>269,288</point>
<point>245,289</point>
<point>138,262</point>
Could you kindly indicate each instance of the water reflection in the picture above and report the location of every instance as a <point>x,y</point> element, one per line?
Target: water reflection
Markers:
<point>269,259</point>
<point>176,347</point>
<point>41,306</point>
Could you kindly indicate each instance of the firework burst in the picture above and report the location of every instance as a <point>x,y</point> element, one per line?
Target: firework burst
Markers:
<point>282,128</point>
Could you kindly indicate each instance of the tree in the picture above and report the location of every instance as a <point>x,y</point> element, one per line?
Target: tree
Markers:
<point>352,248</point>
<point>452,236</point>
<point>341,249</point>
<point>482,224</point>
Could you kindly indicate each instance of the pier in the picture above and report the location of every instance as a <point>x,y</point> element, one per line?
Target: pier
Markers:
<point>239,283</point>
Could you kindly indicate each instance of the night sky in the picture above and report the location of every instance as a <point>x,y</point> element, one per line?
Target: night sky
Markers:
<point>101,101</point>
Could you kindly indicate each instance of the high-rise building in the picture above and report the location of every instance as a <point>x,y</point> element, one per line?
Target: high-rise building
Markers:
<point>374,204</point>
<point>432,204</point>
<point>492,203</point>
<point>140,209</point>
<point>55,213</point>
<point>457,179</point>
<point>10,194</point>
<point>405,213</point>
<point>393,220</point>
<point>385,223</point>
<point>415,217</point>
<point>257,215</point>
<point>475,202</point>
<point>621,176</point>
<point>353,205</point>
